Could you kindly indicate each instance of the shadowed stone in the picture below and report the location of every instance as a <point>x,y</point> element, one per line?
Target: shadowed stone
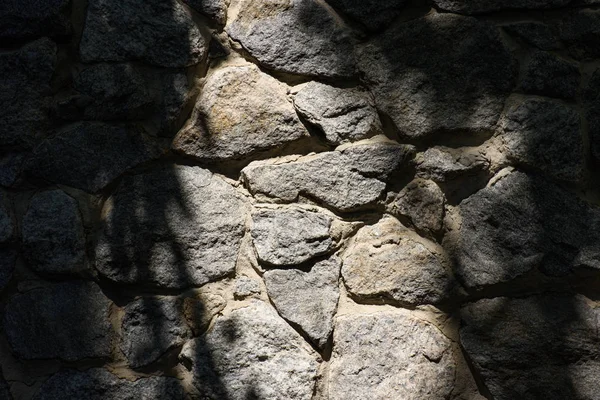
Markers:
<point>548,75</point>
<point>441,164</point>
<point>580,30</point>
<point>536,34</point>
<point>200,309</point>
<point>10,168</point>
<point>485,6</point>
<point>4,388</point>
<point>7,224</point>
<point>591,101</point>
<point>8,258</point>
<point>213,9</point>
<point>423,202</point>
<point>374,14</point>
<point>25,19</point>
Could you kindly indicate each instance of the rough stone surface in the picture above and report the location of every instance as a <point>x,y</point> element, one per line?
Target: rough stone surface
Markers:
<point>246,287</point>
<point>545,135</point>
<point>294,36</point>
<point>31,18</point>
<point>485,6</point>
<point>389,355</point>
<point>591,101</point>
<point>343,115</point>
<point>386,261</point>
<point>533,348</point>
<point>444,164</point>
<point>150,328</point>
<point>163,33</point>
<point>4,387</point>
<point>549,75</point>
<point>53,237</point>
<point>252,353</point>
<point>10,168</point>
<point>7,266</point>
<point>99,384</point>
<point>66,320</point>
<point>373,14</point>
<point>536,34</point>
<point>89,156</point>
<point>25,76</point>
<point>440,73</point>
<point>214,9</point>
<point>422,201</point>
<point>307,299</point>
<point>200,310</point>
<point>7,224</point>
<point>580,30</point>
<point>345,180</point>
<point>240,111</point>
<point>172,227</point>
<point>290,236</point>
<point>523,222</point>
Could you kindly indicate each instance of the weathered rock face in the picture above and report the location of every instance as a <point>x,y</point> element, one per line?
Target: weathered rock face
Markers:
<point>8,258</point>
<point>4,388</point>
<point>214,9</point>
<point>68,321</point>
<point>7,224</point>
<point>591,97</point>
<point>389,355</point>
<point>373,14</point>
<point>199,310</point>
<point>580,31</point>
<point>252,353</point>
<point>485,6</point>
<point>535,34</point>
<point>30,18</point>
<point>548,75</point>
<point>172,228</point>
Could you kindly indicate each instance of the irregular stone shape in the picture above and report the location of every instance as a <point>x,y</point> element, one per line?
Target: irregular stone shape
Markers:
<point>10,168</point>
<point>345,180</point>
<point>240,111</point>
<point>24,87</point>
<point>485,6</point>
<point>4,387</point>
<point>307,299</point>
<point>344,115</point>
<point>155,31</point>
<point>99,384</point>
<point>580,30</point>
<point>150,328</point>
<point>252,353</point>
<point>373,14</point>
<point>214,9</point>
<point>523,222</point>
<point>423,202</point>
<point>536,34</point>
<point>295,36</point>
<point>533,348</point>
<point>89,155</point>
<point>68,320</point>
<point>389,355</point>
<point>545,135</point>
<point>591,101</point>
<point>53,237</point>
<point>7,225</point>
<point>444,164</point>
<point>8,258</point>
<point>442,73</point>
<point>172,228</point>
<point>387,261</point>
<point>290,236</point>
<point>201,309</point>
<point>245,287</point>
<point>548,75</point>
<point>30,18</point>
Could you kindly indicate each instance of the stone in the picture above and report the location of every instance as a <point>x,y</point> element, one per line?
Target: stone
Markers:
<point>441,164</point>
<point>388,262</point>
<point>549,75</point>
<point>164,33</point>
<point>252,353</point>
<point>536,34</point>
<point>25,76</point>
<point>389,355</point>
<point>213,9</point>
<point>545,135</point>
<point>4,387</point>
<point>69,321</point>
<point>486,6</point>
<point>422,201</point>
<point>8,258</point>
<point>7,224</point>
<point>294,36</point>
<point>591,102</point>
<point>199,310</point>
<point>441,73</point>
<point>99,384</point>
<point>31,18</point>
<point>240,111</point>
<point>532,348</point>
<point>307,299</point>
<point>10,168</point>
<point>520,223</point>
<point>89,155</point>
<point>373,14</point>
<point>53,237</point>
<point>348,179</point>
<point>580,31</point>
<point>343,115</point>
<point>290,236</point>
<point>245,287</point>
<point>172,227</point>
<point>150,328</point>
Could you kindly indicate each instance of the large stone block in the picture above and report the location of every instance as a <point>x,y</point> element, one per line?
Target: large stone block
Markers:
<point>25,19</point>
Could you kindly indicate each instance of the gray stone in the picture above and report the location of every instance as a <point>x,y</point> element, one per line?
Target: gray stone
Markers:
<point>53,237</point>
<point>545,135</point>
<point>344,115</point>
<point>10,168</point>
<point>445,164</point>
<point>245,287</point>
<point>89,155</point>
<point>373,14</point>
<point>389,355</point>
<point>158,32</point>
<point>548,75</point>
<point>387,261</point>
<point>294,36</point>
<point>4,387</point>
<point>25,19</point>
<point>7,224</point>
<point>442,73</point>
<point>345,180</point>
<point>290,236</point>
<point>580,30</point>
<point>214,9</point>
<point>486,6</point>
<point>536,34</point>
<point>150,328</point>
<point>8,258</point>
<point>520,223</point>
<point>252,353</point>
<point>533,348</point>
<point>69,321</point>
<point>307,299</point>
<point>239,112</point>
<point>591,101</point>
<point>173,227</point>
<point>201,309</point>
<point>25,76</point>
<point>99,384</point>
<point>422,201</point>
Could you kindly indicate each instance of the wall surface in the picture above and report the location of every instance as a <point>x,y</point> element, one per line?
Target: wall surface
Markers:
<point>299,199</point>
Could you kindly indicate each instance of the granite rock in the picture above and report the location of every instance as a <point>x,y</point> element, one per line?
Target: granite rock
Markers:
<point>373,14</point>
<point>213,9</point>
<point>422,201</point>
<point>580,31</point>
<point>548,75</point>
<point>591,101</point>
<point>26,19</point>
<point>486,6</point>
<point>8,259</point>
<point>7,223</point>
<point>536,34</point>
<point>200,309</point>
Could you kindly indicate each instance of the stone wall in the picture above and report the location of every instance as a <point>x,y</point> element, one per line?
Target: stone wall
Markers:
<point>299,199</point>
